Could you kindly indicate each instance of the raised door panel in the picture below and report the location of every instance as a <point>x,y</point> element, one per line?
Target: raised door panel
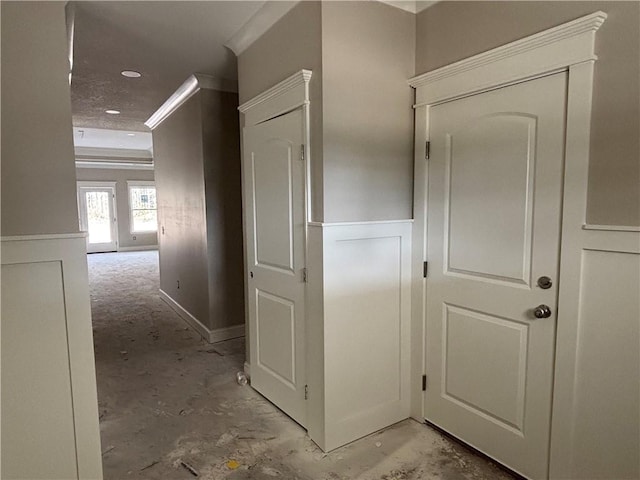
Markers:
<point>276,332</point>
<point>273,203</point>
<point>484,365</point>
<point>491,158</point>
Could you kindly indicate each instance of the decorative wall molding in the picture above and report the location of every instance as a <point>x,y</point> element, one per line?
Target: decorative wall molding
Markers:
<point>66,292</point>
<point>359,280</point>
<point>411,6</point>
<point>114,165</point>
<point>258,25</point>
<point>597,334</point>
<point>284,97</point>
<point>190,87</point>
<point>368,222</point>
<point>612,228</point>
<point>46,236</point>
<point>211,336</point>
<point>117,154</point>
<point>545,52</point>
<point>290,93</point>
<point>95,184</point>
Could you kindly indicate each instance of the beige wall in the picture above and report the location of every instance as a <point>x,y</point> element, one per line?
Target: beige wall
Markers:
<point>38,168</point>
<point>223,187</point>
<point>125,237</point>
<point>197,171</point>
<point>367,56</point>
<point>177,147</point>
<point>293,43</point>
<point>450,31</point>
<point>361,54</point>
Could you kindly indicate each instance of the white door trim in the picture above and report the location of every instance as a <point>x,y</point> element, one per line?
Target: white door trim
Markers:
<point>567,47</point>
<point>552,50</point>
<point>288,95</point>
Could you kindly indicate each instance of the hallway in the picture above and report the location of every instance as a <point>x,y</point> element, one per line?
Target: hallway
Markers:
<point>166,397</point>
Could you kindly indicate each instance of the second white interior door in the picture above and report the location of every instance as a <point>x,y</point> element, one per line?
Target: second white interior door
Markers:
<point>275,233</point>
<point>494,209</point>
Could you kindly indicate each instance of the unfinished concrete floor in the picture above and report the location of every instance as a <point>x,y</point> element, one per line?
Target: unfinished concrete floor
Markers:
<point>166,397</point>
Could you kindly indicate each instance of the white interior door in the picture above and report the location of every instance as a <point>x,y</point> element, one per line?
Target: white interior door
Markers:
<point>275,232</point>
<point>494,204</point>
<point>96,205</point>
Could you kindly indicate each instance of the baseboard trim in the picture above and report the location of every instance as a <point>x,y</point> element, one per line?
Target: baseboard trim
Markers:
<point>185,315</point>
<point>226,333</point>
<point>211,336</point>
<point>140,248</point>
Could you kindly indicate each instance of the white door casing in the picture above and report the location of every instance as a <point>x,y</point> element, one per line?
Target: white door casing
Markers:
<point>102,236</point>
<point>568,47</point>
<point>275,232</point>
<point>495,187</point>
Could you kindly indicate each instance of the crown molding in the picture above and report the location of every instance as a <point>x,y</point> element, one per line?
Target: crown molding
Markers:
<point>299,78</point>
<point>570,53</point>
<point>114,165</point>
<point>190,87</point>
<point>259,24</point>
<point>112,153</point>
<point>411,6</point>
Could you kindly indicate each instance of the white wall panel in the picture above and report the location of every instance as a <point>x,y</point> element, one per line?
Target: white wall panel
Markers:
<point>49,400</point>
<point>366,283</point>
<point>596,423</point>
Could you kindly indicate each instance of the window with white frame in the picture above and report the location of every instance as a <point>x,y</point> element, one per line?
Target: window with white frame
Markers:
<point>142,207</point>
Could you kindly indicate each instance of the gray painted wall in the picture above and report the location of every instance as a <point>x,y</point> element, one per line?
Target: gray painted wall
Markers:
<point>361,54</point>
<point>197,161</point>
<point>182,239</point>
<point>450,31</point>
<point>38,164</point>
<point>292,44</point>
<point>223,191</point>
<point>367,57</point>
<point>125,237</point>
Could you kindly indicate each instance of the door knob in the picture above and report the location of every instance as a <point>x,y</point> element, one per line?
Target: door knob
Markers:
<point>542,311</point>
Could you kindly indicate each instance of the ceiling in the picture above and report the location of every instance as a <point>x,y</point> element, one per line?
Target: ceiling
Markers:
<point>113,139</point>
<point>164,41</point>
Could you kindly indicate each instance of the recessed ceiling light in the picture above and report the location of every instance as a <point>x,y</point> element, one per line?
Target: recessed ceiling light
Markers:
<point>130,74</point>
<point>131,134</point>
<point>112,112</point>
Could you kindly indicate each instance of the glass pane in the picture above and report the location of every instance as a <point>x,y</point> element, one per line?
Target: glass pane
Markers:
<point>144,220</point>
<point>98,217</point>
<point>143,197</point>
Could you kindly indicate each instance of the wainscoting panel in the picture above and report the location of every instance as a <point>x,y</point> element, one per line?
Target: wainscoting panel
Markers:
<point>49,401</point>
<point>596,417</point>
<point>367,308</point>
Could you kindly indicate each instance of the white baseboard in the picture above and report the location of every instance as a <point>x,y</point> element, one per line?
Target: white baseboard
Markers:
<point>138,248</point>
<point>211,336</point>
<point>227,333</point>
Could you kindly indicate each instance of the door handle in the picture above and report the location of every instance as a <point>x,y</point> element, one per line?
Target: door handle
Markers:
<point>542,311</point>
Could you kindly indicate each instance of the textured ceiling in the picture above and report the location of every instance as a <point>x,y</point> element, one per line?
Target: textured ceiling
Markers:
<point>166,41</point>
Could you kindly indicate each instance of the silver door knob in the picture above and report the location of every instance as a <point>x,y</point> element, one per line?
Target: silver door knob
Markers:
<point>542,311</point>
